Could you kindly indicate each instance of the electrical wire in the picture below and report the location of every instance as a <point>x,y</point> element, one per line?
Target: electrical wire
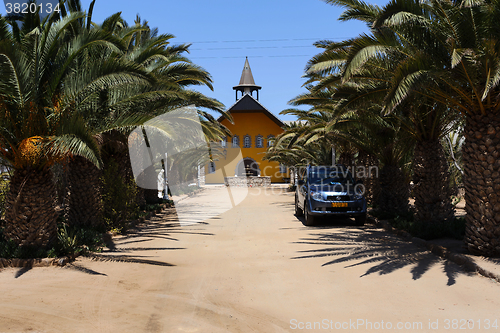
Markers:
<point>263,40</point>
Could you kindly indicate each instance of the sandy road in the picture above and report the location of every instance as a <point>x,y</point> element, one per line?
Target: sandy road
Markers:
<point>254,268</point>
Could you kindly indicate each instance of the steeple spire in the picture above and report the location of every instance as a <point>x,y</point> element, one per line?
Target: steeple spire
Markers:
<point>247,84</point>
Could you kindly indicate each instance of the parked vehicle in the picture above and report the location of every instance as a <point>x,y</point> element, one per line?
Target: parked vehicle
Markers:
<point>329,191</point>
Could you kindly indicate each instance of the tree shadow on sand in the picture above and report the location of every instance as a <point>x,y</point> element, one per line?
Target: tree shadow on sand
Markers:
<point>384,253</point>
<point>132,247</point>
<point>162,226</point>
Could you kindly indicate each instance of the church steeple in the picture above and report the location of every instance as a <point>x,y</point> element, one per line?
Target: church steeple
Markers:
<point>247,84</point>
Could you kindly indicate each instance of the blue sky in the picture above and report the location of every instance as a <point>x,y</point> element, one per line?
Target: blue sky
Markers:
<point>276,35</point>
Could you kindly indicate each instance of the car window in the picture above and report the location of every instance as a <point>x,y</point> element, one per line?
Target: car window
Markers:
<point>326,176</point>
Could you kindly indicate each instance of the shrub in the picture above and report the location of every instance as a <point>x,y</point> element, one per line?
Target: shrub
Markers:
<point>70,241</point>
<point>454,228</point>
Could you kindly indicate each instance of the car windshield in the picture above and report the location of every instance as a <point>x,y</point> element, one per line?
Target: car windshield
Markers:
<point>327,175</point>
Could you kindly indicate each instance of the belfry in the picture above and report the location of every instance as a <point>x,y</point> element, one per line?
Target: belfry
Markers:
<point>247,84</point>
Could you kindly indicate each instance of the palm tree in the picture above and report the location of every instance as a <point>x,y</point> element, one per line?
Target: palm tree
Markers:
<point>359,102</point>
<point>457,65</point>
<point>381,59</point>
<point>172,72</point>
<point>42,92</point>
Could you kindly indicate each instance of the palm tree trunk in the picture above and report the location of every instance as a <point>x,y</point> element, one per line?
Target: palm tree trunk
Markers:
<point>432,186</point>
<point>31,208</point>
<point>393,192</point>
<point>84,202</point>
<point>128,174</point>
<point>370,174</point>
<point>122,155</point>
<point>482,184</point>
<point>122,158</point>
<point>346,158</point>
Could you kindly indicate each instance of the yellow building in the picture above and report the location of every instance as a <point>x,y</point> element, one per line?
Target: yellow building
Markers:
<point>252,130</point>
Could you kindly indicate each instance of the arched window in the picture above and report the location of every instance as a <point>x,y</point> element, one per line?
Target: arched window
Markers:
<point>259,141</point>
<point>270,140</point>
<point>211,167</point>
<point>236,141</point>
<point>247,141</point>
<point>282,168</point>
<point>223,142</point>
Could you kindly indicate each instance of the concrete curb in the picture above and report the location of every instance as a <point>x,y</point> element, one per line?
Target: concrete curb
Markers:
<point>185,196</point>
<point>38,262</point>
<point>441,251</point>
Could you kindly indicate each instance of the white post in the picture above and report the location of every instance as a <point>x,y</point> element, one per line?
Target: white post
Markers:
<point>199,176</point>
<point>165,195</point>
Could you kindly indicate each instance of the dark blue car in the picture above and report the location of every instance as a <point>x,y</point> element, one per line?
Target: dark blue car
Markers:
<point>327,191</point>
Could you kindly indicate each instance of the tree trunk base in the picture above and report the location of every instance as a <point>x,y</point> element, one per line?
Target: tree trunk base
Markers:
<point>31,217</point>
<point>482,184</point>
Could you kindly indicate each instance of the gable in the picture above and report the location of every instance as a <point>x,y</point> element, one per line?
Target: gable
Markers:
<point>248,104</point>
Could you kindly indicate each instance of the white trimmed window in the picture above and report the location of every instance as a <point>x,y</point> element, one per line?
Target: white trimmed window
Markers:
<point>259,141</point>
<point>236,141</point>
<point>211,167</point>
<point>223,142</point>
<point>282,168</point>
<point>247,141</point>
<point>270,140</point>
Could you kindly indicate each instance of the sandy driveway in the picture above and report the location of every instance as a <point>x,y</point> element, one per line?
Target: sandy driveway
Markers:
<point>255,268</point>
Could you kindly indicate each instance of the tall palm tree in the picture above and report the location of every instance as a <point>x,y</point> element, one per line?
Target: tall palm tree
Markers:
<point>381,59</point>
<point>42,91</point>
<point>360,101</point>
<point>172,72</point>
<point>457,65</point>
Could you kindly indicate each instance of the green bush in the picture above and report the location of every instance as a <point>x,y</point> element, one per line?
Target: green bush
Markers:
<point>454,228</point>
<point>75,240</point>
<point>70,241</point>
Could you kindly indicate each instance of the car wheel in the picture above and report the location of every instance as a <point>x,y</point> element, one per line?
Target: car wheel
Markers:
<point>308,218</point>
<point>298,211</point>
<point>360,220</point>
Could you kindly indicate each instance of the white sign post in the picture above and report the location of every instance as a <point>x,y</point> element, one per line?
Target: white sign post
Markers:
<point>165,195</point>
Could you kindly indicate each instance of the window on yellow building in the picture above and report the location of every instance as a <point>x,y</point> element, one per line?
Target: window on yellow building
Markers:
<point>282,168</point>
<point>223,142</point>
<point>247,141</point>
<point>236,141</point>
<point>211,167</point>
<point>270,140</point>
<point>259,141</point>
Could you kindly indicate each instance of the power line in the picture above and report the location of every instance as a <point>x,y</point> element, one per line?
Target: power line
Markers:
<point>254,47</point>
<point>258,47</point>
<point>256,56</point>
<point>261,40</point>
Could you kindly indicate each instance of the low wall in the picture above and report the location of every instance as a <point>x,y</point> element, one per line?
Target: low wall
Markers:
<point>247,181</point>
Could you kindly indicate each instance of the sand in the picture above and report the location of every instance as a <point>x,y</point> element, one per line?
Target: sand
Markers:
<point>254,268</point>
